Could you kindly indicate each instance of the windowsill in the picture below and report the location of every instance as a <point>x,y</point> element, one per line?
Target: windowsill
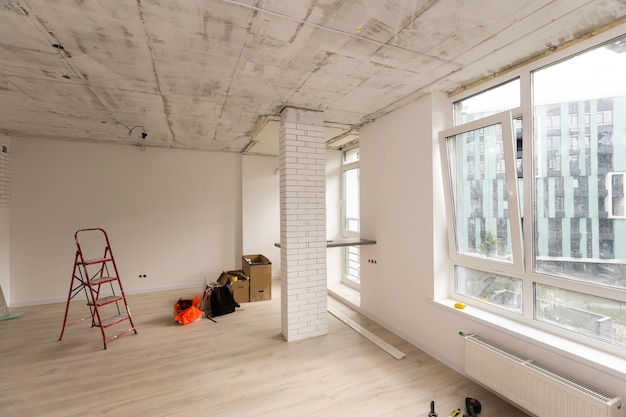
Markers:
<point>604,361</point>
<point>347,295</point>
<point>339,243</point>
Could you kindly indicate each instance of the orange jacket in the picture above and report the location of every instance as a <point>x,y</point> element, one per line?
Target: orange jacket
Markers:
<point>188,315</point>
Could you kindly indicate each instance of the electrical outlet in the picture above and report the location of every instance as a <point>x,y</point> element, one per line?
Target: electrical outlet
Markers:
<point>143,276</point>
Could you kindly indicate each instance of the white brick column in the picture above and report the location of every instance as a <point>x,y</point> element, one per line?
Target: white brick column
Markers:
<point>5,173</point>
<point>303,224</point>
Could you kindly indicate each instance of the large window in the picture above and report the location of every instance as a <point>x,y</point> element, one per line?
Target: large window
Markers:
<point>351,193</point>
<point>569,252</point>
<point>351,197</point>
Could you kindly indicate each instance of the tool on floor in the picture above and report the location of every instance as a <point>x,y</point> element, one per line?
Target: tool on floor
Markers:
<point>432,410</point>
<point>473,406</point>
<point>455,413</point>
<point>99,280</point>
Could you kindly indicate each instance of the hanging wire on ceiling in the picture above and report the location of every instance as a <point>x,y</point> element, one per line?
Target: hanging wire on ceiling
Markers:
<point>144,134</point>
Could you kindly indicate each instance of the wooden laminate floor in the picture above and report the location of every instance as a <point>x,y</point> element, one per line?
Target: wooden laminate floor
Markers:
<point>239,366</point>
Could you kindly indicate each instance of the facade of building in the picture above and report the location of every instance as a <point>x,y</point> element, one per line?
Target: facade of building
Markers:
<point>580,163</point>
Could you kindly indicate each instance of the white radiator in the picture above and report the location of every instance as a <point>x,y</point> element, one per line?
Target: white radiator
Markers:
<point>536,388</point>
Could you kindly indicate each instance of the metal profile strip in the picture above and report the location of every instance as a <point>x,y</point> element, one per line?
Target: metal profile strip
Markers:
<point>367,334</point>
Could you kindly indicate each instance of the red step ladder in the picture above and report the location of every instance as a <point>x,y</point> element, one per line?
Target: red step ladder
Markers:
<point>99,280</point>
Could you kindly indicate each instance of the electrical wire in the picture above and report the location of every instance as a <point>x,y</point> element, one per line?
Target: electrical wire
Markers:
<point>130,130</point>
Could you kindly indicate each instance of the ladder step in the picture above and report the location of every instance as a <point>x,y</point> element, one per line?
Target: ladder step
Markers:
<point>102,280</point>
<point>95,261</point>
<point>106,300</point>
<point>113,320</point>
<point>132,329</point>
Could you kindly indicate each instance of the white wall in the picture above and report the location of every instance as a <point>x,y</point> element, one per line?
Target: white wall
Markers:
<point>173,215</point>
<point>177,216</point>
<point>402,209</point>
<point>261,208</point>
<point>398,207</point>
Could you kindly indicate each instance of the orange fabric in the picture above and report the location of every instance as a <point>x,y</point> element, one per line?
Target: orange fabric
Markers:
<point>188,315</point>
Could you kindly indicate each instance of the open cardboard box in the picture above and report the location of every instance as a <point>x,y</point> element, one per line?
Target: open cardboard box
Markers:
<point>259,269</point>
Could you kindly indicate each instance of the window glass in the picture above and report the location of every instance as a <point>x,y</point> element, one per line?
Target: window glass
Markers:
<point>594,316</point>
<point>479,191</point>
<point>579,142</point>
<point>351,216</point>
<point>491,288</point>
<point>495,100</point>
<point>351,200</point>
<point>351,155</point>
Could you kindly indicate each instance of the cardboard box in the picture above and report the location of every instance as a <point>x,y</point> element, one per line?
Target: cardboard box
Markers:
<point>259,269</point>
<point>224,279</point>
<point>241,290</point>
<point>238,273</point>
<point>240,285</point>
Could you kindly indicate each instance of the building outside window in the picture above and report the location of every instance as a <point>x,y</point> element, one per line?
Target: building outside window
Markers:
<point>572,252</point>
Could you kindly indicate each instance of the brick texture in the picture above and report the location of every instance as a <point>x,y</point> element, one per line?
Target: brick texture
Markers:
<point>303,224</point>
<point>5,174</point>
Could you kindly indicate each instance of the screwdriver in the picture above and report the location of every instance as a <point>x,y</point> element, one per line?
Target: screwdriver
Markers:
<point>432,410</point>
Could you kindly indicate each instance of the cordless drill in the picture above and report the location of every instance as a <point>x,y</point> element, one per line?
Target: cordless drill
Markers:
<point>473,406</point>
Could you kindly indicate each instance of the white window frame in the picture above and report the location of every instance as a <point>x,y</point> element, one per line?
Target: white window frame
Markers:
<point>347,167</point>
<point>515,268</point>
<point>344,230</point>
<point>529,277</point>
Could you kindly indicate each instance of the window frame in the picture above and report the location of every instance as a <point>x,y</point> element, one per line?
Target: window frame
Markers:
<point>529,276</point>
<point>347,251</point>
<point>516,267</point>
<point>344,168</point>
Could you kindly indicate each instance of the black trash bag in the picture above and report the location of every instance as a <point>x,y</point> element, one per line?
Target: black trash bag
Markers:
<point>222,301</point>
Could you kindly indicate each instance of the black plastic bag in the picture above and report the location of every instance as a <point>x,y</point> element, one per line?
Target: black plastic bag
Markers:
<point>222,301</point>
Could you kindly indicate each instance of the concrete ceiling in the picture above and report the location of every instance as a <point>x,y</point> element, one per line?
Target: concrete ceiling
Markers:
<point>215,74</point>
